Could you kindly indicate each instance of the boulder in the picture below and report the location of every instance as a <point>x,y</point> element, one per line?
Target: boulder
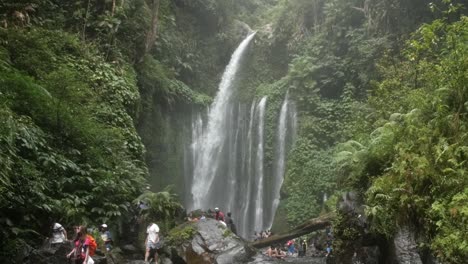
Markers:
<point>212,243</point>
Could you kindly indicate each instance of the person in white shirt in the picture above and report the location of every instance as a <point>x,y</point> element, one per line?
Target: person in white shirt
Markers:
<point>152,242</point>
<point>59,234</point>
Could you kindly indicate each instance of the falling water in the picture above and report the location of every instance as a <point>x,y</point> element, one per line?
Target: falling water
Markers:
<point>247,184</point>
<point>259,166</point>
<point>224,164</point>
<point>279,165</point>
<point>212,143</point>
<point>285,136</point>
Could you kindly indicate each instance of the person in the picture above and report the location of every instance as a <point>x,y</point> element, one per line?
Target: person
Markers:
<point>271,251</point>
<point>303,249</point>
<point>106,236</point>
<point>152,242</point>
<point>203,217</point>
<point>59,234</point>
<point>230,223</point>
<point>219,215</point>
<point>280,253</point>
<point>291,247</point>
<point>190,217</point>
<point>80,252</point>
<point>329,248</point>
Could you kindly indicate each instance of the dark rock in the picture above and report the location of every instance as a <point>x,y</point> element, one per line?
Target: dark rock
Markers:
<point>49,254</point>
<point>211,244</point>
<point>406,250</point>
<point>129,249</point>
<point>367,255</point>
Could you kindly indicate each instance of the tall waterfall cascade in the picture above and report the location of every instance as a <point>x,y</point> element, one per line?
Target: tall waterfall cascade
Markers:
<point>224,163</point>
<point>286,127</point>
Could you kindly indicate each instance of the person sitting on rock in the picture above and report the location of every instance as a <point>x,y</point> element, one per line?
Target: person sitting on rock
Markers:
<point>280,253</point>
<point>271,251</point>
<point>219,215</point>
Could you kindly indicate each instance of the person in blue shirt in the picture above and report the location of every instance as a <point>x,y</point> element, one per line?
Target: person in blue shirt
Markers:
<point>106,237</point>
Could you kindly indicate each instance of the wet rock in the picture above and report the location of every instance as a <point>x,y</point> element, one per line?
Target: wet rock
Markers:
<point>212,243</point>
<point>406,250</point>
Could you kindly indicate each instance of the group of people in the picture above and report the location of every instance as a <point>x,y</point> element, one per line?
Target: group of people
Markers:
<point>262,235</point>
<point>84,244</point>
<point>217,215</point>
<point>291,248</point>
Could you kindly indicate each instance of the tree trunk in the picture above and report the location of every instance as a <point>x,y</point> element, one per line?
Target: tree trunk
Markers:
<point>152,31</point>
<point>310,226</point>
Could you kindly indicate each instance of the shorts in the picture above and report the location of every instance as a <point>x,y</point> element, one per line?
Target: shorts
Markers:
<point>151,245</point>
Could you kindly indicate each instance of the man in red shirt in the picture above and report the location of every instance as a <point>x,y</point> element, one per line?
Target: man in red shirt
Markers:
<point>219,215</point>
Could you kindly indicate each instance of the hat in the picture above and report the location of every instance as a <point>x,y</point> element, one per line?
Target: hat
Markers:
<point>153,228</point>
<point>216,209</point>
<point>104,225</point>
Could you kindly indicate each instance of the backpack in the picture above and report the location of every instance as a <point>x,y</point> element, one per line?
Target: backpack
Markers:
<point>92,245</point>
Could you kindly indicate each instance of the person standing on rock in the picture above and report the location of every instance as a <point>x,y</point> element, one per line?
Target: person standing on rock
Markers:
<point>219,215</point>
<point>106,236</point>
<point>303,249</point>
<point>152,242</point>
<point>230,223</point>
<point>59,234</point>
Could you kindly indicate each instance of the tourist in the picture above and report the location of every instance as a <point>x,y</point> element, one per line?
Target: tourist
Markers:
<point>271,252</point>
<point>291,247</point>
<point>255,236</point>
<point>230,223</point>
<point>106,237</point>
<point>280,253</point>
<point>152,243</point>
<point>59,234</point>
<point>303,249</point>
<point>329,250</point>
<point>80,252</point>
<point>219,215</point>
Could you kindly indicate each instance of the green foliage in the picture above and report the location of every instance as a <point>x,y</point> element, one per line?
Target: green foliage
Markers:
<point>69,150</point>
<point>309,177</point>
<point>162,206</point>
<point>415,163</point>
<point>181,234</point>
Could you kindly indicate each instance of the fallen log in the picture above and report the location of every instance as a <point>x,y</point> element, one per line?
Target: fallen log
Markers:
<point>308,227</point>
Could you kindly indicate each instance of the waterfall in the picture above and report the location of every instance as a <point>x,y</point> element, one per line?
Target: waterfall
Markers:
<point>286,132</point>
<point>259,166</point>
<point>225,161</point>
<point>212,143</point>
<point>247,186</point>
<point>279,164</point>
